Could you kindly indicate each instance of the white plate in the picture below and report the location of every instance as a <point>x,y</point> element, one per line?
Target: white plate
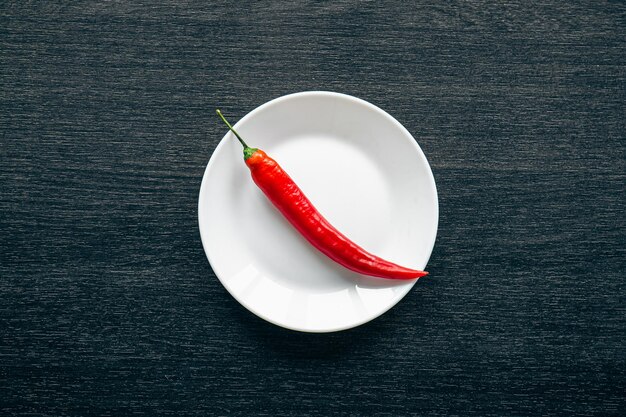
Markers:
<point>363,171</point>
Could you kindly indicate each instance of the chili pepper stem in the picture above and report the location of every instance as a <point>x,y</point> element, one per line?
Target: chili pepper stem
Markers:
<point>219,113</point>
<point>247,151</point>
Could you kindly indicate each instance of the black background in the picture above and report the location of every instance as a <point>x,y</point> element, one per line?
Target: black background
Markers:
<point>108,305</point>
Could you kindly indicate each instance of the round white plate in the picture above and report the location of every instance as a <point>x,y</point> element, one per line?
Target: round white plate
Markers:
<point>361,169</point>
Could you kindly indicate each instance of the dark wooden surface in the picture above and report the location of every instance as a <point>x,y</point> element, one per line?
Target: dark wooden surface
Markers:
<point>108,305</point>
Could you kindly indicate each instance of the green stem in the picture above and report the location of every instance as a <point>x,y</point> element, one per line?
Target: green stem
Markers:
<point>219,113</point>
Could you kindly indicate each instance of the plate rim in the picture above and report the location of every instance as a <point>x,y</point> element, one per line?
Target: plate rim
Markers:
<point>355,100</point>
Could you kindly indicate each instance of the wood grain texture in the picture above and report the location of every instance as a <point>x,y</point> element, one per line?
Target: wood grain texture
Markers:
<point>108,305</point>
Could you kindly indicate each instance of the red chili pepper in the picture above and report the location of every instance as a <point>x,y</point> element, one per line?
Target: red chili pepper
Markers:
<point>289,199</point>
